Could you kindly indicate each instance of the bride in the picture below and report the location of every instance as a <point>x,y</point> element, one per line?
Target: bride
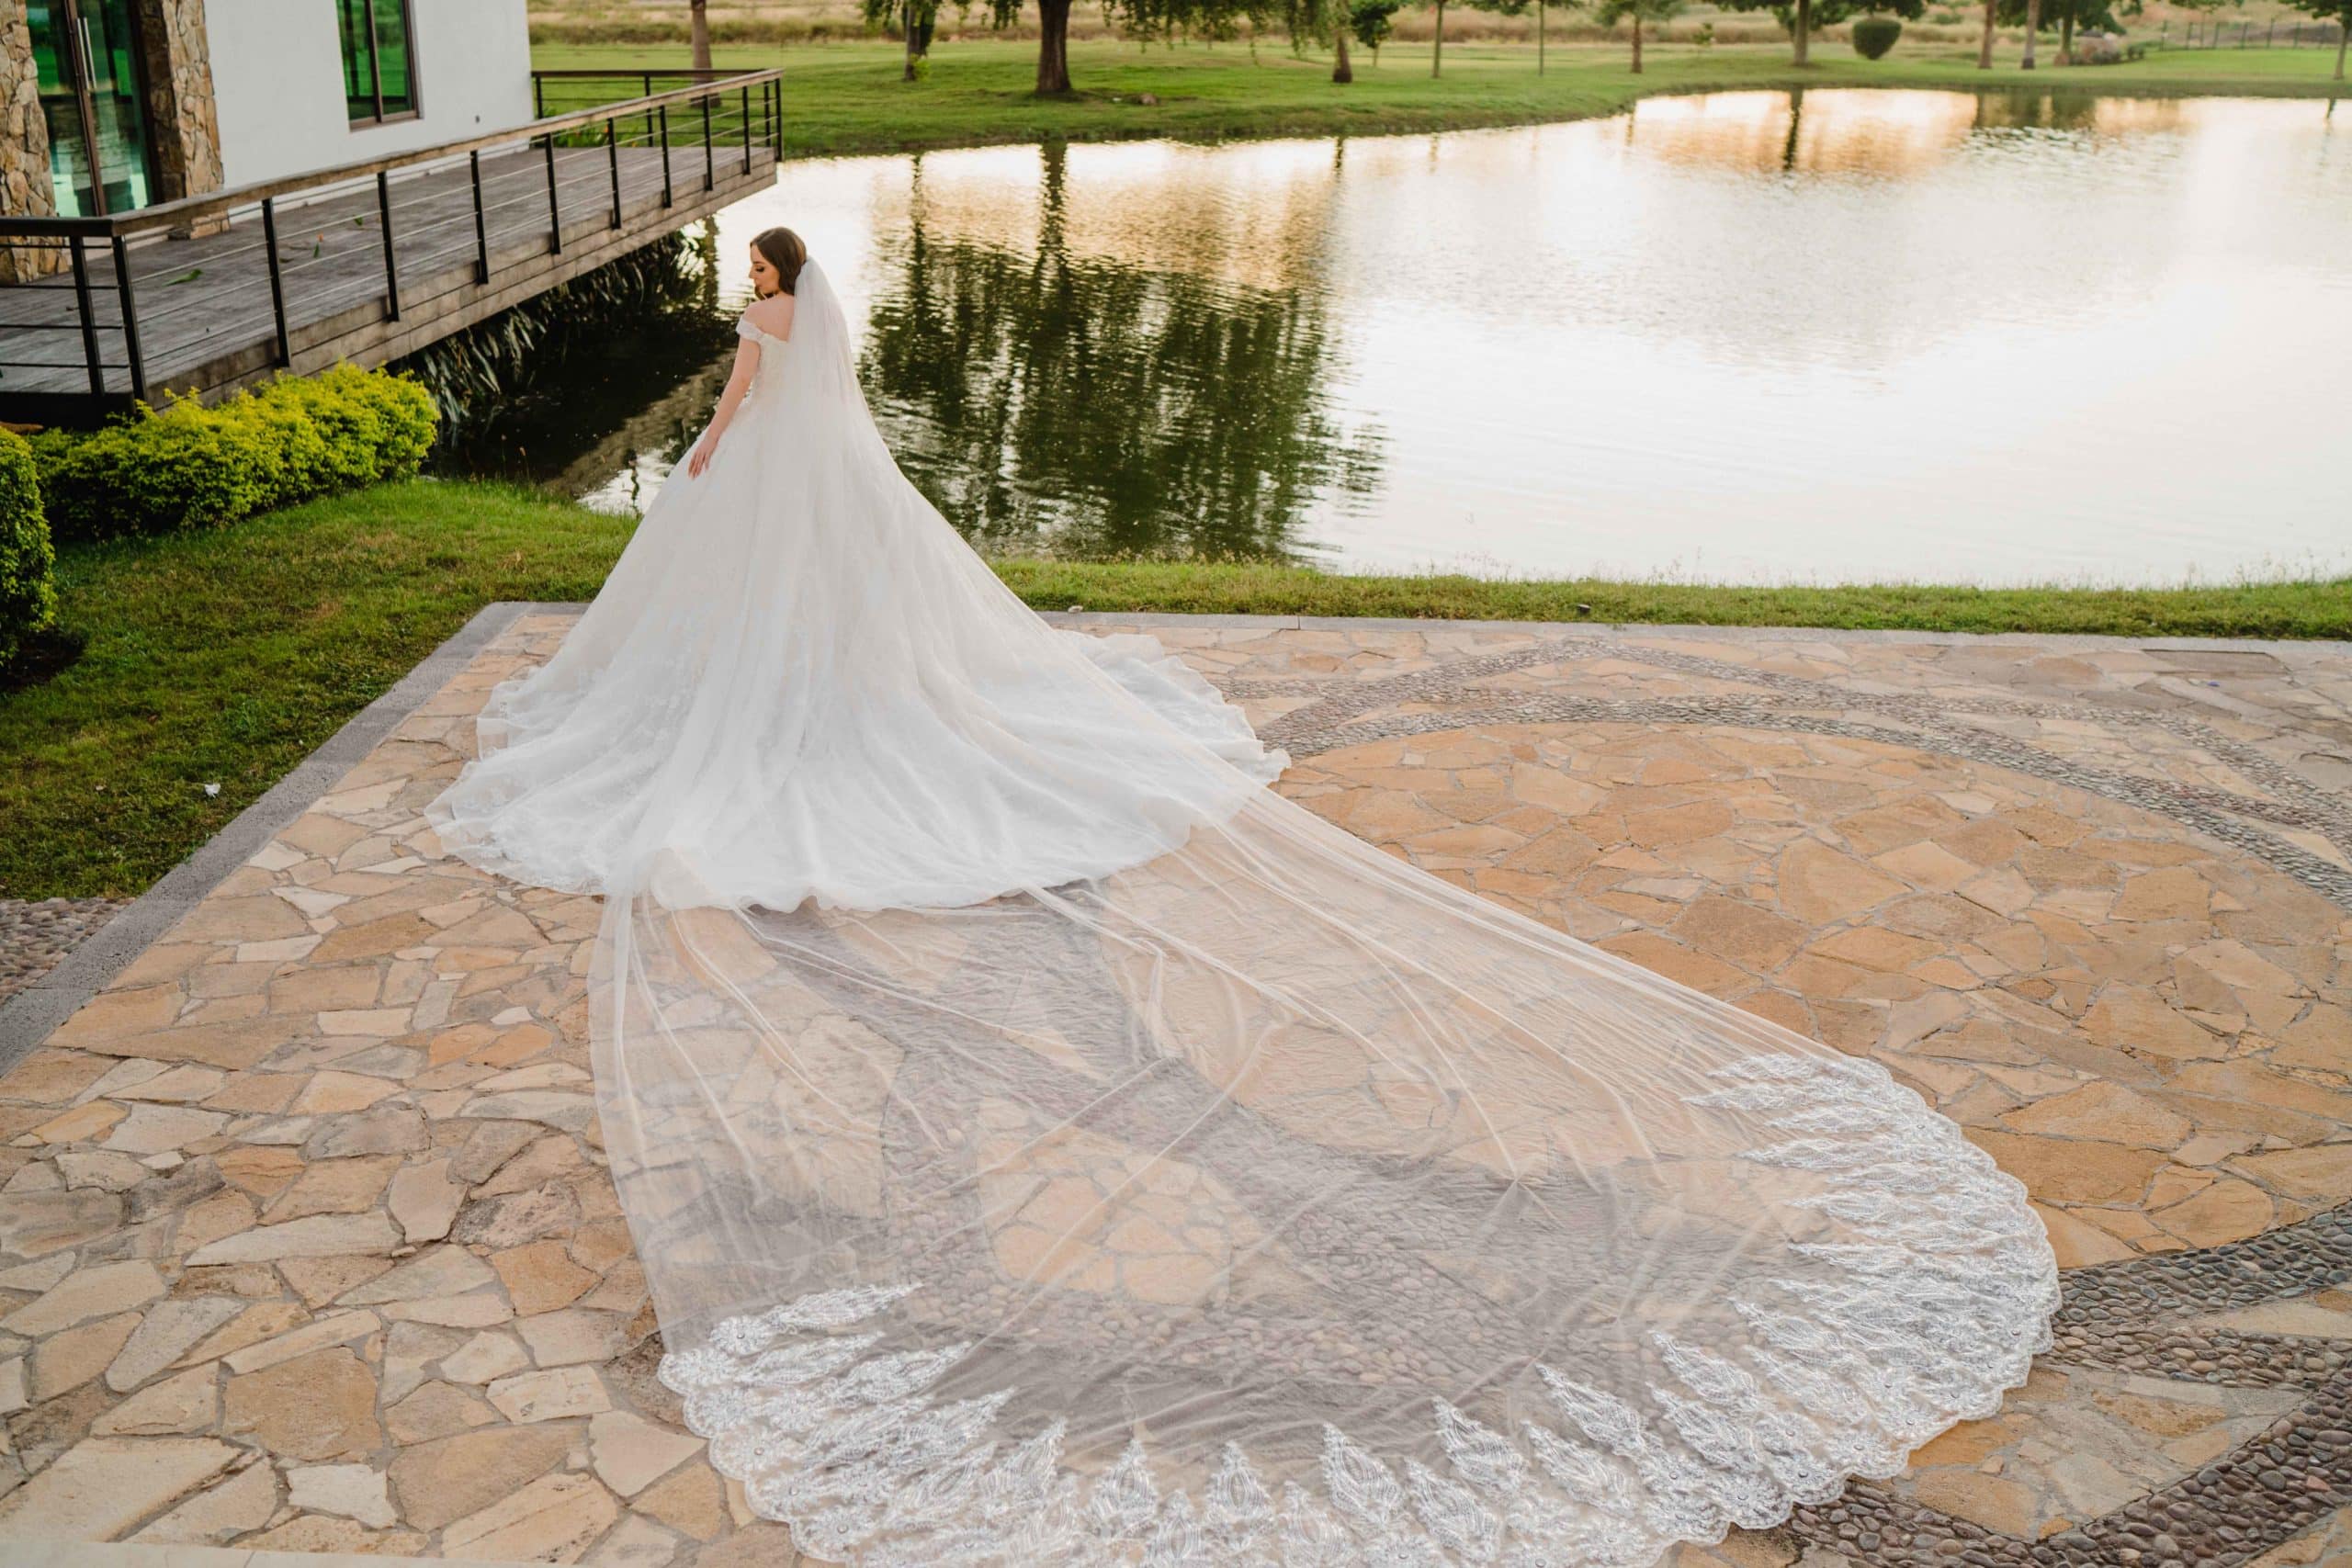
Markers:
<point>1048,1146</point>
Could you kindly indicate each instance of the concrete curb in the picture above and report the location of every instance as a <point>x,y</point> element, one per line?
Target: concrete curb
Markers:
<point>30,1015</point>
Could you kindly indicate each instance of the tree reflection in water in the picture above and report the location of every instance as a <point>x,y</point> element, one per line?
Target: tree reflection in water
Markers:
<point>1086,408</point>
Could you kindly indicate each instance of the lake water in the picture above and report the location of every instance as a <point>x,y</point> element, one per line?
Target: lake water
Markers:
<point>1841,336</point>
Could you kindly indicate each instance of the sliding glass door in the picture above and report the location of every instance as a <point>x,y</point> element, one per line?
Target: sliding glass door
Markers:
<point>87,55</point>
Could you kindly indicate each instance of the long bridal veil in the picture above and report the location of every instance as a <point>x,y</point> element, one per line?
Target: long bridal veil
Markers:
<point>1048,1146</point>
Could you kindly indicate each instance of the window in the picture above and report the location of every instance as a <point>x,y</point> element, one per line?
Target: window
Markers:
<point>378,63</point>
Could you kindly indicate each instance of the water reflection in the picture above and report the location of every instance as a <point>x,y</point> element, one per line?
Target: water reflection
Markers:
<point>1050,398</point>
<point>1757,336</point>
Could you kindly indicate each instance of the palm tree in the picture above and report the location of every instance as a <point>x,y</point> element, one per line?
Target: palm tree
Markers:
<point>699,16</point>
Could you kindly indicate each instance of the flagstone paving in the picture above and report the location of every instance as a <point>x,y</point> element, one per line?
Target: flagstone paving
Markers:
<point>307,1244</point>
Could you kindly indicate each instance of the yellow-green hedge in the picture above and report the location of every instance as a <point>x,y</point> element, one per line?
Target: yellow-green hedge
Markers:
<point>28,598</point>
<point>187,466</point>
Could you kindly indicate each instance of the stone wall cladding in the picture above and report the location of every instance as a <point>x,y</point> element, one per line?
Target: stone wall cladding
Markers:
<point>186,127</point>
<point>24,149</point>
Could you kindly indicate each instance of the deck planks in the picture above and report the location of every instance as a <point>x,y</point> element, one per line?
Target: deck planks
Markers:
<point>202,305</point>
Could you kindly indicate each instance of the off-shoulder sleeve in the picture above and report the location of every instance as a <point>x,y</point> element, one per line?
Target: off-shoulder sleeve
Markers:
<point>744,328</point>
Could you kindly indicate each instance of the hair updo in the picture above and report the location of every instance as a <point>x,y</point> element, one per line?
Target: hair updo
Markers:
<point>786,252</point>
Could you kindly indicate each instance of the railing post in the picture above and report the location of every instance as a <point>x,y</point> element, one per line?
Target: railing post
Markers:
<point>710,170</point>
<point>668,196</point>
<point>613,157</point>
<point>130,322</point>
<point>481,229</point>
<point>746,112</point>
<point>539,96</point>
<point>555,207</point>
<point>391,265</point>
<point>89,323</point>
<point>277,281</point>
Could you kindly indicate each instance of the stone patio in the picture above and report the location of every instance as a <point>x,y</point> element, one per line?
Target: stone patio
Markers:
<point>306,1243</point>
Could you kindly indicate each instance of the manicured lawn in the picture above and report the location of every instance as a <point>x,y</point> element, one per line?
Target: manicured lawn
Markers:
<point>848,97</point>
<point>2249,610</point>
<point>226,656</point>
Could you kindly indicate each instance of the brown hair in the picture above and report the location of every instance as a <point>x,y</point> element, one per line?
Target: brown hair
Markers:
<point>785,252</point>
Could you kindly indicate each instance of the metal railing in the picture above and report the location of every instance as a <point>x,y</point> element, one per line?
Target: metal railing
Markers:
<point>2242,35</point>
<point>563,91</point>
<point>723,115</point>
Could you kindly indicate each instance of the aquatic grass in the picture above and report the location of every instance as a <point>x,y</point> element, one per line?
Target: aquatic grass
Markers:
<point>225,657</point>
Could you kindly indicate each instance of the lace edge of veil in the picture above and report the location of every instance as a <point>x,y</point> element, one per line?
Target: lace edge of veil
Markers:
<point>1943,1307</point>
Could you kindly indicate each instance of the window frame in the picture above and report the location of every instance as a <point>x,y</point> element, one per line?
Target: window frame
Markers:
<point>376,65</point>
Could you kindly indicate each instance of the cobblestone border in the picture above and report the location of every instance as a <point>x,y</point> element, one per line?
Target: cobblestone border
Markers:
<point>29,1016</point>
<point>1795,704</point>
<point>36,932</point>
<point>2140,1315</point>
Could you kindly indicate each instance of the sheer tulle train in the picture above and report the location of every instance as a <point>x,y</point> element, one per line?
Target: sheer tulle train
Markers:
<point>1046,1145</point>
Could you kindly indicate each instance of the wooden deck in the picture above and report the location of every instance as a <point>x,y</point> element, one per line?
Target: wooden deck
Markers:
<point>203,306</point>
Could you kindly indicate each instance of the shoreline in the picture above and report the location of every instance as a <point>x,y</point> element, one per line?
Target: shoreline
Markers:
<point>845,100</point>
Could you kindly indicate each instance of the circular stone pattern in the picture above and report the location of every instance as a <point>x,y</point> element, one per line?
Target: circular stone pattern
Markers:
<point>2151,1029</point>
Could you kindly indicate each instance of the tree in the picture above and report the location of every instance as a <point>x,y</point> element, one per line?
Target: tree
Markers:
<point>1161,19</point>
<point>916,17</point>
<point>1984,44</point>
<point>2099,14</point>
<point>1437,37</point>
<point>699,23</point>
<point>1369,21</point>
<point>1542,8</point>
<point>2340,12</point>
<point>1608,13</point>
<point>1801,19</point>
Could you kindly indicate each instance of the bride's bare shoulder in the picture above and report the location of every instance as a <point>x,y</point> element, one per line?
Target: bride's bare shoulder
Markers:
<point>772,315</point>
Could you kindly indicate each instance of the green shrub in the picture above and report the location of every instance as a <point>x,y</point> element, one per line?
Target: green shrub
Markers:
<point>405,414</point>
<point>378,426</point>
<point>1874,36</point>
<point>28,598</point>
<point>187,466</point>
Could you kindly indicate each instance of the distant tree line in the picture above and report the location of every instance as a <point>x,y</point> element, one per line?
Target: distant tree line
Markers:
<point>1370,23</point>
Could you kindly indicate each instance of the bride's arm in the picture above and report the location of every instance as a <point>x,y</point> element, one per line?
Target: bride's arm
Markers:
<point>747,361</point>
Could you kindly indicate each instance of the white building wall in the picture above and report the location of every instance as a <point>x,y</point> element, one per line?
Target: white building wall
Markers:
<point>277,82</point>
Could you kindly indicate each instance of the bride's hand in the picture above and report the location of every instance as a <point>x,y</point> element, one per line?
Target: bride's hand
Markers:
<point>701,458</point>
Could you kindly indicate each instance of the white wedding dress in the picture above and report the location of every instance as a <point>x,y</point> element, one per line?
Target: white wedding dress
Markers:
<point>1048,1146</point>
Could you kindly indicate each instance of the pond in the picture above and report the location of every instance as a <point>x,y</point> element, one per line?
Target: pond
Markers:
<point>1837,335</point>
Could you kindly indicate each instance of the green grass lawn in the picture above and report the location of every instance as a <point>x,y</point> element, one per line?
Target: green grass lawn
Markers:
<point>848,97</point>
<point>226,656</point>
